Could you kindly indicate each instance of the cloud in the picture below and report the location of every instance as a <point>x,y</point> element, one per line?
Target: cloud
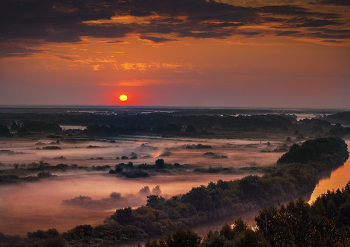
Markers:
<point>153,66</point>
<point>140,66</point>
<point>336,2</point>
<point>293,10</point>
<point>318,23</point>
<point>96,67</point>
<point>67,21</point>
<point>66,58</point>
<point>16,51</point>
<point>156,39</point>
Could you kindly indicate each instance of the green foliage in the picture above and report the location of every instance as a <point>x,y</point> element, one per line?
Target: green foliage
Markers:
<point>38,126</point>
<point>338,130</point>
<point>4,131</point>
<point>15,127</point>
<point>159,163</point>
<point>44,174</point>
<point>314,150</point>
<point>301,224</point>
<point>190,128</point>
<point>240,235</point>
<point>181,238</point>
<point>324,223</point>
<point>154,201</point>
<point>200,198</point>
<point>40,234</point>
<point>124,216</point>
<point>173,128</point>
<point>170,124</point>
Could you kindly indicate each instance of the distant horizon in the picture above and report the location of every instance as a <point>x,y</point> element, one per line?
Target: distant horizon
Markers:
<point>171,107</point>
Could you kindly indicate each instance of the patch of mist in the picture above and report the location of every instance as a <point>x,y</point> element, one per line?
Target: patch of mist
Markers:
<point>114,201</point>
<point>27,207</point>
<point>144,147</point>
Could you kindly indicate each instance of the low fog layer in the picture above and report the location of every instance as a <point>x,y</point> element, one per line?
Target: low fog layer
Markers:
<point>75,198</point>
<point>115,200</point>
<point>227,153</point>
<point>39,205</point>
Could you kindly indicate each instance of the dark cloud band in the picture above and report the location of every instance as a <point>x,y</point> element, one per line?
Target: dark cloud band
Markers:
<point>68,20</point>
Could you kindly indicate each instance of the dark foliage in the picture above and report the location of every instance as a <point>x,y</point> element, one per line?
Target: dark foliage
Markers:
<point>338,130</point>
<point>167,123</point>
<point>39,126</point>
<point>4,131</point>
<point>324,223</point>
<point>315,122</point>
<point>181,238</point>
<point>314,150</point>
<point>340,117</point>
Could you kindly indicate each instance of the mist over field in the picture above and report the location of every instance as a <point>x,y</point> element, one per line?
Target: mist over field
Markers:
<point>55,203</point>
<point>123,121</point>
<point>224,153</point>
<point>74,177</point>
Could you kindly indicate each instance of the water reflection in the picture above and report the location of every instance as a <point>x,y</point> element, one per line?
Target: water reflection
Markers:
<point>337,180</point>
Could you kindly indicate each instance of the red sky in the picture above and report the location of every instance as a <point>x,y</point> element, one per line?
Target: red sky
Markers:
<point>176,53</point>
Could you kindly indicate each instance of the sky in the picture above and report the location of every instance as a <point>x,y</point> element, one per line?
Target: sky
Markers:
<point>205,53</point>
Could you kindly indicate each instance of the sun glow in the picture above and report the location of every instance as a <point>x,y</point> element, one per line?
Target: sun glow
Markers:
<point>123,97</point>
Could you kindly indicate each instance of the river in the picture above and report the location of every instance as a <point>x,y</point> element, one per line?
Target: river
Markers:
<point>337,180</point>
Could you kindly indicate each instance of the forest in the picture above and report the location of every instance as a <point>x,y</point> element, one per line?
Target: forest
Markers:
<point>172,123</point>
<point>291,177</point>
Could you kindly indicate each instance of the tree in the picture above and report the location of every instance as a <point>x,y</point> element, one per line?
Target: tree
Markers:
<point>155,201</point>
<point>4,131</point>
<point>227,232</point>
<point>124,216</point>
<point>199,197</point>
<point>173,128</point>
<point>15,127</point>
<point>159,163</point>
<point>190,128</point>
<point>181,238</point>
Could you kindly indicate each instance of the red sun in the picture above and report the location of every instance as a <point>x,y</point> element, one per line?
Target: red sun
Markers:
<point>123,97</point>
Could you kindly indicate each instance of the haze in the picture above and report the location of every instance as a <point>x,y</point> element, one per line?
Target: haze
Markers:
<point>193,53</point>
<point>39,205</point>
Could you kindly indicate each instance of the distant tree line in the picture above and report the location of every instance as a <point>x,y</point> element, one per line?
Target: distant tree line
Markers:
<point>340,117</point>
<point>338,130</point>
<point>4,131</point>
<point>157,122</point>
<point>36,171</point>
<point>164,123</point>
<point>194,124</point>
<point>35,126</point>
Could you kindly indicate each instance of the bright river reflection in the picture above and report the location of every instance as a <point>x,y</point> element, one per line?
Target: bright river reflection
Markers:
<point>337,180</point>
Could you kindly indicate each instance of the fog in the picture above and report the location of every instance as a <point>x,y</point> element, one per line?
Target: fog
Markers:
<point>139,150</point>
<point>72,199</point>
<point>75,198</point>
<point>39,205</point>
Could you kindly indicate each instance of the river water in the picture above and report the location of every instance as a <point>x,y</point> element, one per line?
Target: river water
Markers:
<point>338,179</point>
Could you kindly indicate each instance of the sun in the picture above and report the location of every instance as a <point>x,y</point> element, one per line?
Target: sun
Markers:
<point>123,97</point>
